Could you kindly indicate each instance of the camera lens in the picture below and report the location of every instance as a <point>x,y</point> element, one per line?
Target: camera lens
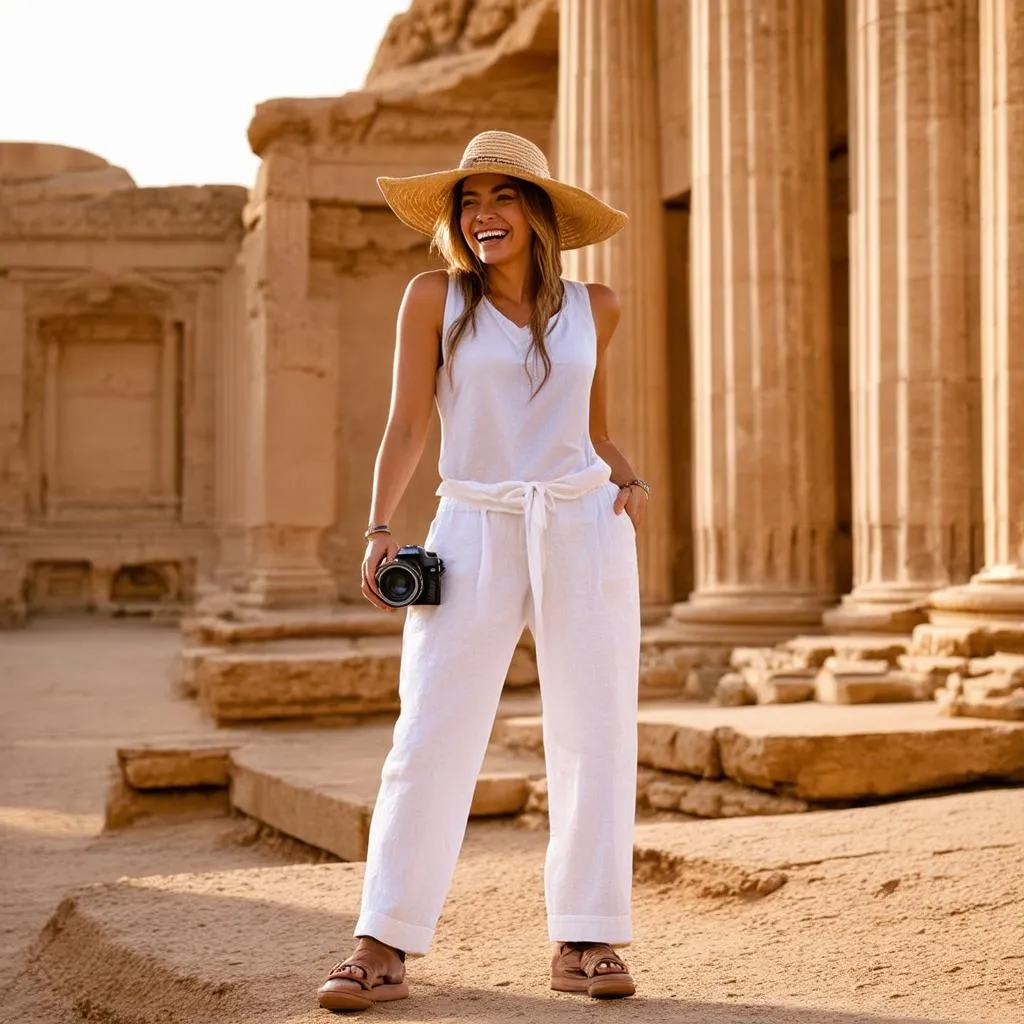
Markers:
<point>398,584</point>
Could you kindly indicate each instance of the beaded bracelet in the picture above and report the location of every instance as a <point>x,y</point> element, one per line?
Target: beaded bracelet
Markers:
<point>642,484</point>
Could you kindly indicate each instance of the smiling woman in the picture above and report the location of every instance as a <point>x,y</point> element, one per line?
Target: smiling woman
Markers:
<point>514,357</point>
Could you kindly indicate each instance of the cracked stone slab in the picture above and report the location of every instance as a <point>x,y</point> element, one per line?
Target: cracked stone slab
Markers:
<point>817,752</point>
<point>321,789</point>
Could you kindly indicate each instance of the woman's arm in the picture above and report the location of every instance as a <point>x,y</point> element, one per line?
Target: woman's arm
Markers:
<point>412,391</point>
<point>607,310</point>
<point>420,319</point>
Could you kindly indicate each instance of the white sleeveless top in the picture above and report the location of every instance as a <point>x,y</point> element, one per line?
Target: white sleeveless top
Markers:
<point>491,429</point>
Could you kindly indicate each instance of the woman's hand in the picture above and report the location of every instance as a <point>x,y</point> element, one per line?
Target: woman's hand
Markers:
<point>380,548</point>
<point>634,501</point>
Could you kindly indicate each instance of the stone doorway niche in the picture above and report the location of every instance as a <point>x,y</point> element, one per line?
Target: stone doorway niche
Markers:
<point>146,583</point>
<point>60,586</point>
<point>105,422</point>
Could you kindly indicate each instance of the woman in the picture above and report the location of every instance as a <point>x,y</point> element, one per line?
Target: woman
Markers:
<point>536,526</point>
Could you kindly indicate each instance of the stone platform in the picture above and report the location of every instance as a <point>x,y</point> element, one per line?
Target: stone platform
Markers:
<point>255,665</point>
<point>318,786</point>
<point>826,917</point>
<point>815,752</point>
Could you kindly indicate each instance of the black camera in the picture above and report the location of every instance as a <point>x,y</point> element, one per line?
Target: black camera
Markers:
<point>412,577</point>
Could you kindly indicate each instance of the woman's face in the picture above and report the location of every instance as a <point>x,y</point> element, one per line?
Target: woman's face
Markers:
<point>492,218</point>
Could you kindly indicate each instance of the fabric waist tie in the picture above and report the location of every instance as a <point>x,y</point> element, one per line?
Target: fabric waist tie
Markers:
<point>534,500</point>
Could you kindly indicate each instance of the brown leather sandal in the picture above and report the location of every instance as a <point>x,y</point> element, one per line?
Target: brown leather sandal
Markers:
<point>575,969</point>
<point>343,991</point>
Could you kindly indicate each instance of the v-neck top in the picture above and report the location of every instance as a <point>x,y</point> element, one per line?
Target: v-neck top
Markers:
<point>492,430</point>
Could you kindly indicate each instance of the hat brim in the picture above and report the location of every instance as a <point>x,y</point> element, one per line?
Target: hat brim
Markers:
<point>583,219</point>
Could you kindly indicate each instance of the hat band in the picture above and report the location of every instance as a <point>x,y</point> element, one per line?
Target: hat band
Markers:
<point>473,161</point>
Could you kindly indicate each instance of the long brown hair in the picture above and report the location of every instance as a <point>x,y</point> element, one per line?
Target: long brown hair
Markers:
<point>470,274</point>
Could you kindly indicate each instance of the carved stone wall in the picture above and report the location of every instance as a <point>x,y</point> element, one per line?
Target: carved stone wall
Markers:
<point>109,325</point>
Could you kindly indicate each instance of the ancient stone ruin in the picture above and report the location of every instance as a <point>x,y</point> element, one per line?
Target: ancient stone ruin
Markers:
<point>195,380</point>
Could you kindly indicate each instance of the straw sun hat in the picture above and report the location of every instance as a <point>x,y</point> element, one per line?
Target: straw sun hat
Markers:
<point>420,200</point>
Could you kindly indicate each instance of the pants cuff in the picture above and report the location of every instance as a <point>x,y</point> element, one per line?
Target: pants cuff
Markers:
<point>615,931</point>
<point>411,939</point>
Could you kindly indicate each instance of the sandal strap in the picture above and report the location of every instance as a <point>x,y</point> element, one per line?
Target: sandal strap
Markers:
<point>596,954</point>
<point>370,963</point>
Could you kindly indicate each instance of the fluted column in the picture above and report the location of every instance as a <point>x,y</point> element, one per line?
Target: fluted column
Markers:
<point>292,397</point>
<point>997,592</point>
<point>764,489</point>
<point>608,144</point>
<point>914,337</point>
<point>231,402</point>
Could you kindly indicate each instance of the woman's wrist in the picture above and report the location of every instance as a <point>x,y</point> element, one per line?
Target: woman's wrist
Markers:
<point>375,529</point>
<point>636,482</point>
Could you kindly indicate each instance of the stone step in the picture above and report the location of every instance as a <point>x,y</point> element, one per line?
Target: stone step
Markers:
<point>815,752</point>
<point>322,790</point>
<point>303,677</point>
<point>299,680</point>
<point>864,895</point>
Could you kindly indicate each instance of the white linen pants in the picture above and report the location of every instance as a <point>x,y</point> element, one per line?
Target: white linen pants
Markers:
<point>557,558</point>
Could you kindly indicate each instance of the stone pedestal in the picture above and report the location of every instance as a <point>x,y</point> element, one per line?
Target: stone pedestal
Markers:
<point>996,593</point>
<point>914,344</point>
<point>764,494</point>
<point>608,144</point>
<point>292,396</point>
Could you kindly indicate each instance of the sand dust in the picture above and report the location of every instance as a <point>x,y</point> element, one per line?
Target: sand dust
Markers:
<point>909,912</point>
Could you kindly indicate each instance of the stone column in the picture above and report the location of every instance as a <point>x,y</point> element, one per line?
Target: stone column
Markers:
<point>914,374</point>
<point>13,471</point>
<point>764,491</point>
<point>997,592</point>
<point>232,374</point>
<point>608,144</point>
<point>292,400</point>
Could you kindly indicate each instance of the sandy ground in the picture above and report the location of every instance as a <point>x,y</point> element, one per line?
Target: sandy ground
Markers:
<point>910,912</point>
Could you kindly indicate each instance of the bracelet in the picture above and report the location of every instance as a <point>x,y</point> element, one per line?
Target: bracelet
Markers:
<point>642,484</point>
<point>378,528</point>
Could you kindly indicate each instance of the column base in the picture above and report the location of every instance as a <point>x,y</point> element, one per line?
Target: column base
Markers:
<point>995,596</point>
<point>288,588</point>
<point>879,610</point>
<point>736,620</point>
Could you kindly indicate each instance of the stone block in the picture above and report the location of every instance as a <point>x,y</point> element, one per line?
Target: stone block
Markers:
<point>664,669</point>
<point>499,793</point>
<point>951,641</point>
<point>523,669</point>
<point>715,798</point>
<point>152,768</point>
<point>247,625</point>
<point>702,681</point>
<point>126,805</point>
<point>734,691</point>
<point>852,687</point>
<point>330,816</point>
<point>932,665</point>
<point>780,686</point>
<point>819,753</point>
<point>751,657</point>
<point>520,733</point>
<point>863,667</point>
<point>869,648</point>
<point>810,651</point>
<point>667,743</point>
<point>256,685</point>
